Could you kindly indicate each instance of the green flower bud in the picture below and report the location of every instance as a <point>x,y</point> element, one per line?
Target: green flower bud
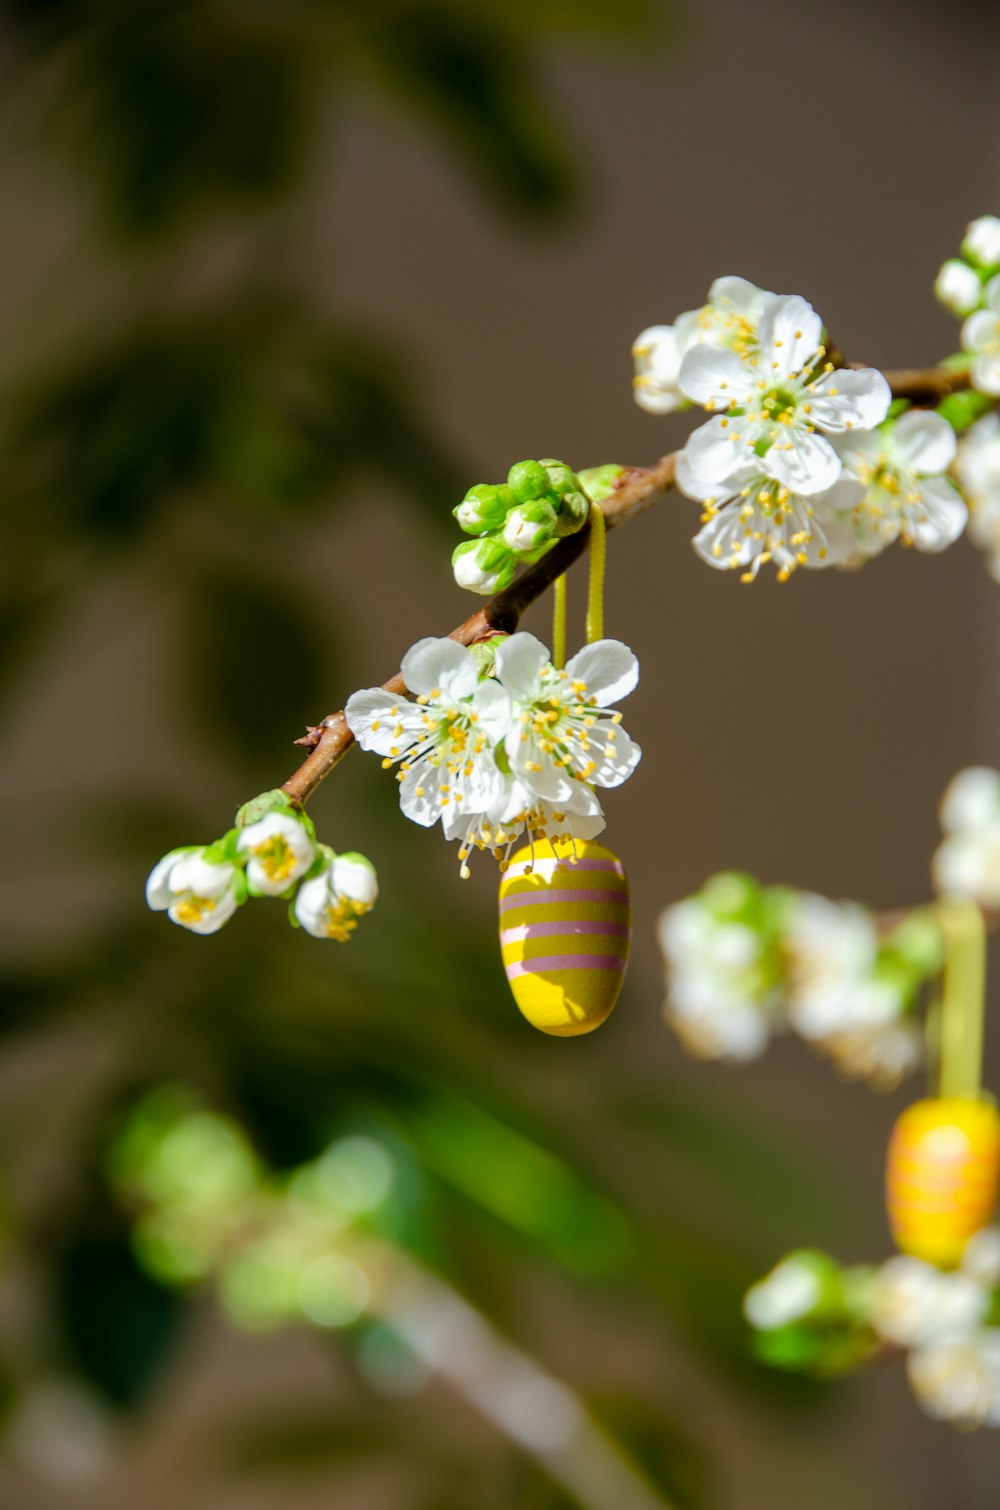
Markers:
<point>562,479</point>
<point>528,480</point>
<point>573,513</point>
<point>484,566</point>
<point>484,653</point>
<point>529,526</point>
<point>484,508</point>
<point>599,482</point>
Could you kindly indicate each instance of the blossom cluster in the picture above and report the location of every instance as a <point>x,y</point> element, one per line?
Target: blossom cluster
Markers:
<point>967,862</point>
<point>271,852</point>
<point>499,741</point>
<point>802,463</point>
<point>969,286</point>
<point>811,1315</point>
<point>516,521</point>
<point>744,962</point>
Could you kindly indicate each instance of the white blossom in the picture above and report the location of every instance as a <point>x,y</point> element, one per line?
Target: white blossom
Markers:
<point>906,494</point>
<point>958,287</point>
<point>982,241</point>
<point>279,851</point>
<point>444,741</point>
<point>750,519</point>
<point>967,862</point>
<point>981,339</point>
<point>978,469</point>
<point>198,893</point>
<point>718,1002</point>
<point>562,731</point>
<point>836,999</point>
<point>328,905</point>
<point>729,318</point>
<point>791,1291</point>
<point>981,1256</point>
<point>959,1380</point>
<point>782,401</point>
<point>914,1304</point>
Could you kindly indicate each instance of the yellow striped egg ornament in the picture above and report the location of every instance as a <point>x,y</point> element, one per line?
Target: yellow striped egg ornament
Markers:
<point>565,931</point>
<point>942,1176</point>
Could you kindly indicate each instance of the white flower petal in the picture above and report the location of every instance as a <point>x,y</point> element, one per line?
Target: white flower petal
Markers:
<point>924,442</point>
<point>354,879</point>
<point>519,663</point>
<point>609,668</point>
<point>942,517</point>
<point>846,400</point>
<point>986,373</point>
<point>420,793</point>
<point>790,333</point>
<point>376,717</point>
<point>713,455</point>
<point>980,328</point>
<point>439,664</point>
<point>738,295</point>
<point>159,890</point>
<point>715,376</point>
<point>804,461</point>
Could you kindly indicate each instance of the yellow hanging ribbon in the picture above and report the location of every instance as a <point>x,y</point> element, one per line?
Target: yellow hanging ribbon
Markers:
<point>559,622</point>
<point>962,998</point>
<point>595,593</point>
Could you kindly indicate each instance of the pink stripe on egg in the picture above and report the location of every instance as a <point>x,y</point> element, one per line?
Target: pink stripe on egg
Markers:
<point>581,894</point>
<point>564,962</point>
<point>581,925</point>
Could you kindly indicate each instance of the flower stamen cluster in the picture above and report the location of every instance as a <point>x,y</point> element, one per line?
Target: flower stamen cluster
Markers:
<point>504,743</point>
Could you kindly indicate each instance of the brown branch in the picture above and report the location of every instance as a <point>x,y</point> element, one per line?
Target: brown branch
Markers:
<point>637,489</point>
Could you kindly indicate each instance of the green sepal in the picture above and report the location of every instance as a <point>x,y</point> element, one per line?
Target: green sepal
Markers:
<point>961,410</point>
<point>574,511</point>
<point>224,851</point>
<point>600,482</point>
<point>562,478</point>
<point>484,652</point>
<point>959,361</point>
<point>275,801</point>
<point>896,408</point>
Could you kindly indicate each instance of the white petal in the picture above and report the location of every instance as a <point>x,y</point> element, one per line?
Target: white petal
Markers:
<point>202,878</point>
<point>716,540</point>
<point>519,663</point>
<point>491,703</point>
<point>433,664</point>
<point>374,718</point>
<point>713,454</point>
<point>846,400</point>
<point>972,800</point>
<point>924,442</point>
<point>986,373</point>
<point>738,295</point>
<point>608,667</point>
<point>715,376</point>
<point>311,902</point>
<point>803,461</point>
<point>946,515</point>
<point>980,328</point>
<point>420,793</point>
<point>211,919</point>
<point>615,759</point>
<point>991,295</point>
<point>790,332</point>
<point>159,891</point>
<point>354,879</point>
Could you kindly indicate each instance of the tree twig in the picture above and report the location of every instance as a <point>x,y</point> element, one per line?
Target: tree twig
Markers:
<point>637,490</point>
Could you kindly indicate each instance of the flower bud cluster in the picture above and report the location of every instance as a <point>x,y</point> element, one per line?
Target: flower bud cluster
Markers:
<point>961,280</point>
<point>271,852</point>
<point>744,962</point>
<point>967,862</point>
<point>810,1315</point>
<point>517,520</point>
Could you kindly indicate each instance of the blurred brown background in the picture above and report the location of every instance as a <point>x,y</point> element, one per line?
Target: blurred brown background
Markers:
<point>802,732</point>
